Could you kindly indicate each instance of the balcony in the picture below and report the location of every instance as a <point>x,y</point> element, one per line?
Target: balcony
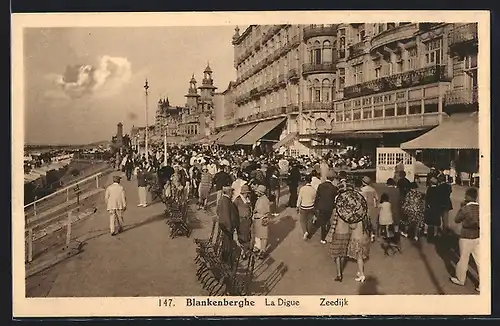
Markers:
<point>393,36</point>
<point>281,80</point>
<point>292,74</point>
<point>356,50</point>
<point>461,97</point>
<point>432,74</point>
<point>313,31</point>
<point>426,120</point>
<point>318,68</point>
<point>292,108</point>
<point>317,106</point>
<point>463,38</point>
<point>294,41</point>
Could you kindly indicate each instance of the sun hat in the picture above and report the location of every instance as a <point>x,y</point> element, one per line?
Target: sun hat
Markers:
<point>261,189</point>
<point>366,180</point>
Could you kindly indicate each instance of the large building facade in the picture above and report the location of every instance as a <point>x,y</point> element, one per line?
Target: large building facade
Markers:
<point>198,119</point>
<point>372,82</point>
<point>167,119</point>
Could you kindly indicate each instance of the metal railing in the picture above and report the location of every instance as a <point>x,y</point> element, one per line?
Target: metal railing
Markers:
<point>327,67</point>
<point>42,207</point>
<point>463,96</point>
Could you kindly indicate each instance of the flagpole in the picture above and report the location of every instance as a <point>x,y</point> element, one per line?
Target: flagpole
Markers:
<point>165,148</point>
<point>146,87</point>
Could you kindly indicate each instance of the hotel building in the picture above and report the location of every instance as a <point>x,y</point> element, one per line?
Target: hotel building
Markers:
<point>304,88</point>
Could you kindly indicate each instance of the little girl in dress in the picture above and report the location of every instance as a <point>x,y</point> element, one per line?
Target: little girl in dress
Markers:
<point>386,223</point>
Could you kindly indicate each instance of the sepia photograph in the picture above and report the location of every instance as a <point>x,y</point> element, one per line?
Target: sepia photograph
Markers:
<point>225,164</point>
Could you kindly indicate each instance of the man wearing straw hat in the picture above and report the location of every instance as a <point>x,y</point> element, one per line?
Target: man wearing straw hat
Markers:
<point>116,204</point>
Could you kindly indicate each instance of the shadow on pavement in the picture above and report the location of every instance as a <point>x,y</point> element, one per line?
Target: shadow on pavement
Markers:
<point>149,220</point>
<point>279,230</point>
<point>369,286</point>
<point>449,252</point>
<point>432,276</point>
<point>264,287</point>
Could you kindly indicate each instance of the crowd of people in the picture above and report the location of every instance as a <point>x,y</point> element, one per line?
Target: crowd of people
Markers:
<point>248,193</point>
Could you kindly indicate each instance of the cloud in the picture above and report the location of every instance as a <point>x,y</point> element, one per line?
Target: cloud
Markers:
<point>102,80</point>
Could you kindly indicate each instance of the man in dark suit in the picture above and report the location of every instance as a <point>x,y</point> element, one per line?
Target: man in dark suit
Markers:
<point>323,206</point>
<point>228,222</point>
<point>293,181</point>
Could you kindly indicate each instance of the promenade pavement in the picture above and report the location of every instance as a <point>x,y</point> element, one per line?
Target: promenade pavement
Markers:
<point>145,261</point>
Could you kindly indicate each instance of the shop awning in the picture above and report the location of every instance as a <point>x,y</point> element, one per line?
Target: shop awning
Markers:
<point>285,141</point>
<point>233,135</point>
<point>214,138</point>
<point>458,131</point>
<point>261,130</point>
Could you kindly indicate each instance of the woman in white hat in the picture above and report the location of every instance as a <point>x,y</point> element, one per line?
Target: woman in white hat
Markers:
<point>260,221</point>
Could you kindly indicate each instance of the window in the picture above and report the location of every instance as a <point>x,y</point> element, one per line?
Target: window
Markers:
<point>348,115</point>
<point>391,158</point>
<point>367,114</point>
<point>317,95</point>
<point>412,59</point>
<point>356,115</point>
<point>470,71</point>
<point>415,107</point>
<point>389,111</point>
<point>342,47</point>
<point>401,108</point>
<point>367,101</point>
<point>362,35</point>
<point>339,117</point>
<point>431,105</point>
<point>358,73</point>
<point>326,90</point>
<point>382,158</point>
<point>341,82</point>
<point>378,111</point>
<point>380,28</point>
<point>317,56</point>
<point>433,52</point>
<point>391,25</point>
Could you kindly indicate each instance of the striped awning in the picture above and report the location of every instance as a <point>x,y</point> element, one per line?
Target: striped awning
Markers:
<point>458,131</point>
<point>259,132</point>
<point>235,134</point>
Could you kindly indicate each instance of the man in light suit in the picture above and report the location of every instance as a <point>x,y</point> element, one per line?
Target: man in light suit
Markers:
<point>116,204</point>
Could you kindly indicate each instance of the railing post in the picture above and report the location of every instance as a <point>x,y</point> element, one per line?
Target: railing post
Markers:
<point>68,230</point>
<point>30,245</point>
<point>97,181</point>
<point>67,194</point>
<point>34,205</point>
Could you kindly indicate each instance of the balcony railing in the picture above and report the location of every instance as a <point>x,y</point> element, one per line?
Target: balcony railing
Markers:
<point>312,68</point>
<point>357,49</point>
<point>461,96</point>
<point>317,106</point>
<point>313,31</point>
<point>393,35</point>
<point>292,74</point>
<point>292,108</point>
<point>407,79</point>
<point>463,34</point>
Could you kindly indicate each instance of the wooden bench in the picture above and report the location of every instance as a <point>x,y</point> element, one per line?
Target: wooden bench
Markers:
<point>221,270</point>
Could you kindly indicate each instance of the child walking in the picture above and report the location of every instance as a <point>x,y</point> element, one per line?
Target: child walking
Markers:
<point>386,224</point>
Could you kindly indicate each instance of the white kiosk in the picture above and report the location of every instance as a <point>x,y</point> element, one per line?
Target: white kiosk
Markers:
<point>387,158</point>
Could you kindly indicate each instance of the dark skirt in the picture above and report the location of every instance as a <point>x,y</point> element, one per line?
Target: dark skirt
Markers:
<point>433,216</point>
<point>340,242</point>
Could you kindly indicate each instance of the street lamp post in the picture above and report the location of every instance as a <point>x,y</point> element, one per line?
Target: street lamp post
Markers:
<point>146,87</point>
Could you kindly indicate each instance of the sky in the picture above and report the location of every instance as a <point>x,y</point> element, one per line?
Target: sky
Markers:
<point>80,82</point>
